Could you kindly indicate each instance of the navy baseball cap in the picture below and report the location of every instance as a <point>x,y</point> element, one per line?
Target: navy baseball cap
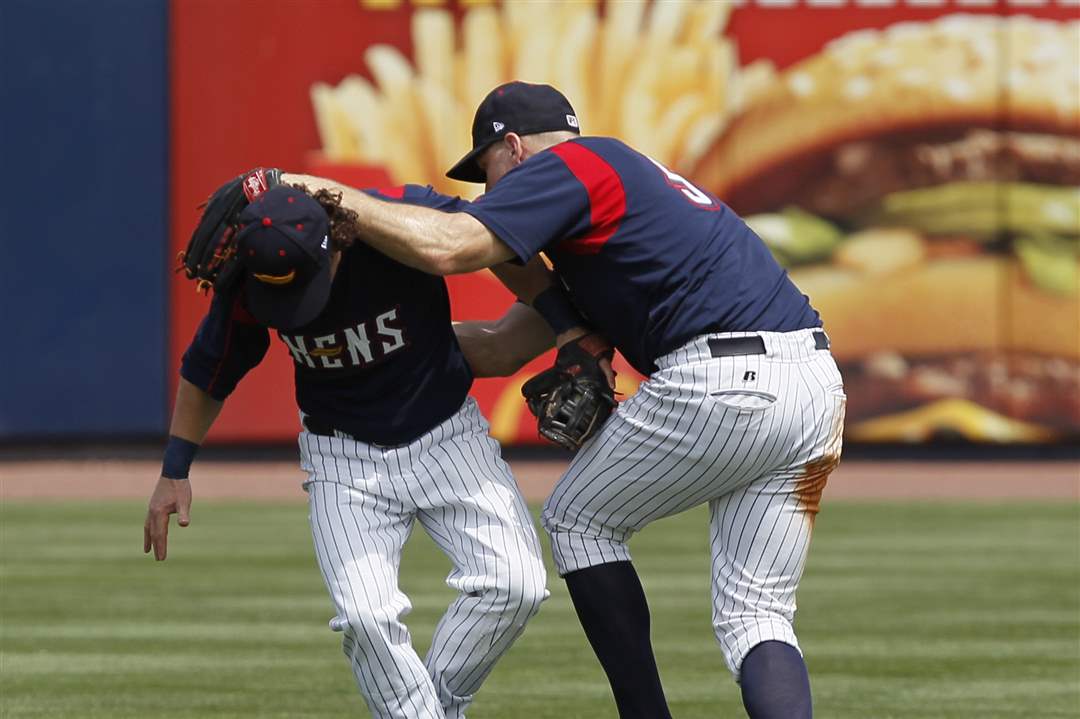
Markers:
<point>519,107</point>
<point>284,246</point>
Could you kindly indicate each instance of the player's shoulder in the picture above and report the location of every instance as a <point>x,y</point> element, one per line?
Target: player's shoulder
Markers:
<point>424,195</point>
<point>603,143</point>
<point>595,144</point>
<point>589,159</point>
<point>598,155</point>
<point>604,165</point>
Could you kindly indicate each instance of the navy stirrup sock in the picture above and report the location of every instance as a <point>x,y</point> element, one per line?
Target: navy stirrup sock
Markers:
<point>774,683</point>
<point>615,616</point>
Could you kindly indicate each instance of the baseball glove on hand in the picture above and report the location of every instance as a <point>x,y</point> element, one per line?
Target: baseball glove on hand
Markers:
<point>210,257</point>
<point>572,399</point>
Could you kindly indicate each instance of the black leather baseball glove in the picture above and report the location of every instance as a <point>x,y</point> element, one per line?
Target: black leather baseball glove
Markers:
<point>210,257</point>
<point>572,399</point>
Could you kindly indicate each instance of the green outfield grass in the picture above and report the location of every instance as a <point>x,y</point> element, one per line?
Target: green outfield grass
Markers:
<point>907,610</point>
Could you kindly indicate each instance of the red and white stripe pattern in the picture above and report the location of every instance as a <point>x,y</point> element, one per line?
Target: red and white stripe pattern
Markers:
<point>753,436</point>
<point>364,500</point>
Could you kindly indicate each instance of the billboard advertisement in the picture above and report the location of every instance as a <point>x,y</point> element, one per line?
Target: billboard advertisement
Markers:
<point>916,167</point>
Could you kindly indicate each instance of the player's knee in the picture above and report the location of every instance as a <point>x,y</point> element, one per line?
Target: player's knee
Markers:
<point>517,593</point>
<point>363,623</point>
<point>366,625</point>
<point>524,592</point>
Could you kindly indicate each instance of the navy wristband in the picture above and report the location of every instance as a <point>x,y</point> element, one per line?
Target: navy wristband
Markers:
<point>555,307</point>
<point>179,454</point>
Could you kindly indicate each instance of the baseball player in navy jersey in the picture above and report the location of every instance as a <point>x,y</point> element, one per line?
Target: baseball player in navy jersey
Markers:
<point>742,409</point>
<point>390,438</point>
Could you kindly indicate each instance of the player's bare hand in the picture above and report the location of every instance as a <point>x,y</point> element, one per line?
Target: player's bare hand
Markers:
<point>171,496</point>
<point>594,344</point>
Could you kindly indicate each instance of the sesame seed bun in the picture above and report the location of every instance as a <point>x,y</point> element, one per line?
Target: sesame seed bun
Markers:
<point>920,79</point>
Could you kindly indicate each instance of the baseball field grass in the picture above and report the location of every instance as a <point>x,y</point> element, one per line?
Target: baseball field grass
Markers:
<point>907,610</point>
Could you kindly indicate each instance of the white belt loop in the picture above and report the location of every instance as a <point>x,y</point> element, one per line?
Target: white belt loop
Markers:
<point>773,343</point>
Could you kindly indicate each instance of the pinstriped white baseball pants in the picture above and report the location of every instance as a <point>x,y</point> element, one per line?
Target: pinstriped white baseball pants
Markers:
<point>754,436</point>
<point>363,501</point>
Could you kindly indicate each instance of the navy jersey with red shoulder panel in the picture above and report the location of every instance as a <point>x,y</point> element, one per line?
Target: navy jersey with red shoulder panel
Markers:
<point>650,259</point>
<point>380,362</point>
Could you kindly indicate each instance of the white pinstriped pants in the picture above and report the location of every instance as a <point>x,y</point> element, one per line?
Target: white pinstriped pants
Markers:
<point>363,502</point>
<point>754,436</point>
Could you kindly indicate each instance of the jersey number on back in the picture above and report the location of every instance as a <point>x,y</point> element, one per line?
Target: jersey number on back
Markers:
<point>686,187</point>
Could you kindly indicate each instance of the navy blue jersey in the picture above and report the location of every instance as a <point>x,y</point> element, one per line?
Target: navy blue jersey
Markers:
<point>381,362</point>
<point>650,259</point>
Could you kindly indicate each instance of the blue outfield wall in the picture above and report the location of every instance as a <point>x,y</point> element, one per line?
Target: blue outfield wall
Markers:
<point>84,101</point>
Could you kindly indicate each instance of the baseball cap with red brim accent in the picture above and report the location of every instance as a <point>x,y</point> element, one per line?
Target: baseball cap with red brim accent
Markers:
<point>285,250</point>
<point>519,107</point>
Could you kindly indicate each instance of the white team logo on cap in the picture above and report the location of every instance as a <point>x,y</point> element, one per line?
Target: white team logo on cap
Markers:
<point>498,126</point>
<point>324,242</point>
<point>571,120</point>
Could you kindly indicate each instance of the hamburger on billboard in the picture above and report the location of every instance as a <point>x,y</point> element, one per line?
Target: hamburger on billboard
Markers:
<point>922,184</point>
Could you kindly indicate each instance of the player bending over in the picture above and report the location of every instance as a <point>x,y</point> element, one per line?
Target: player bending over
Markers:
<point>390,436</point>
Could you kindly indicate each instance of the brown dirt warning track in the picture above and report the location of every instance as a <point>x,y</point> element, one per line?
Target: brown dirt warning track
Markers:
<point>280,480</point>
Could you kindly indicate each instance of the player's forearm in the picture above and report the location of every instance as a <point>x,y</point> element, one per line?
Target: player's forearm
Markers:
<point>476,339</point>
<point>532,280</point>
<point>194,413</point>
<point>439,243</point>
<point>501,347</point>
<point>525,281</point>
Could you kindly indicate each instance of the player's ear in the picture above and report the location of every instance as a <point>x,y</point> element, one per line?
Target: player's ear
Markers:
<point>516,146</point>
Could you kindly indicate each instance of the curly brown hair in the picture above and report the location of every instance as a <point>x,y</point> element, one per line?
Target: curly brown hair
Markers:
<point>344,223</point>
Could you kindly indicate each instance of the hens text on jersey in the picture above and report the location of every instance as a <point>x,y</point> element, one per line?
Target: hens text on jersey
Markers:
<point>361,345</point>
